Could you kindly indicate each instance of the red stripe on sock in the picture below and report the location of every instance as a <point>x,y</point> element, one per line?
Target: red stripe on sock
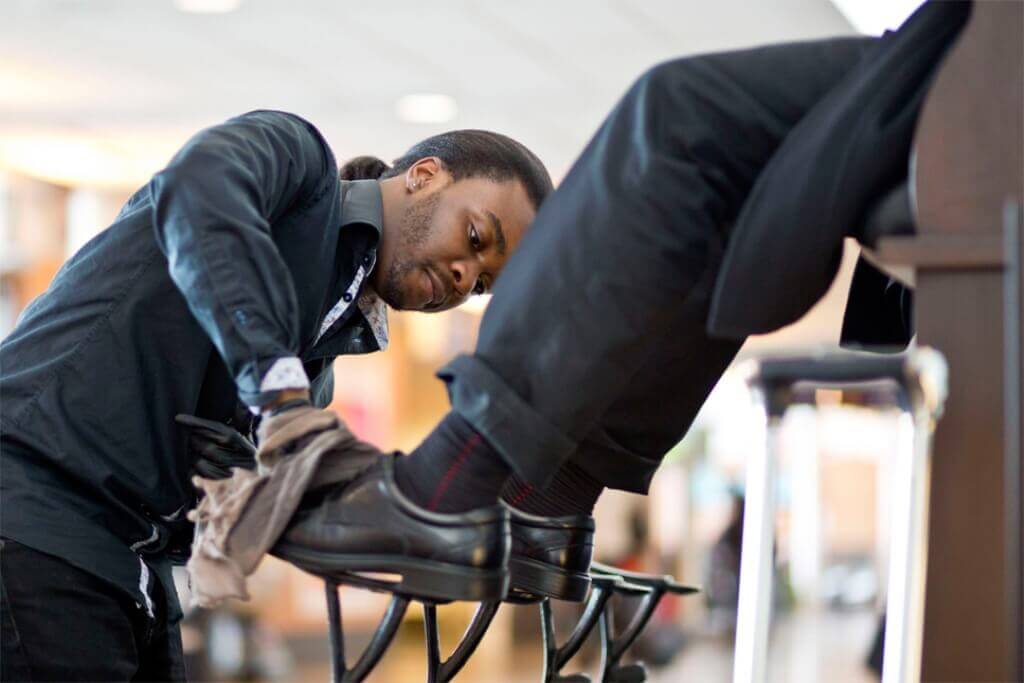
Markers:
<point>521,496</point>
<point>453,469</point>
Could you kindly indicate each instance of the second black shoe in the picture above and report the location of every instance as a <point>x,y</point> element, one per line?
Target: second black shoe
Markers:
<point>551,555</point>
<point>368,526</point>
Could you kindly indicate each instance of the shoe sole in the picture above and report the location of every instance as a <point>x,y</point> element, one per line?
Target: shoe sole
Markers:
<point>539,578</point>
<point>420,578</point>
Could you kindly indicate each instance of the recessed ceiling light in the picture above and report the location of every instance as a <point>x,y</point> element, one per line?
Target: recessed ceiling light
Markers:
<point>426,108</point>
<point>208,6</point>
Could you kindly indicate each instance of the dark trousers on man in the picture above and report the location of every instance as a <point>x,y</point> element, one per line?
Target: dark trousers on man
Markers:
<point>595,348</point>
<point>59,623</point>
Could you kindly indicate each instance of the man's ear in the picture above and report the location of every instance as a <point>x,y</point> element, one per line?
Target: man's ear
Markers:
<point>422,173</point>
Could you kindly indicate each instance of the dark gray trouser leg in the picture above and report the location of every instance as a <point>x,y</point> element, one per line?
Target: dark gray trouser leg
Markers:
<point>659,403</point>
<point>615,254</point>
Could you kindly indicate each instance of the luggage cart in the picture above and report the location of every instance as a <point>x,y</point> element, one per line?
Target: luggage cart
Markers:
<point>920,376</point>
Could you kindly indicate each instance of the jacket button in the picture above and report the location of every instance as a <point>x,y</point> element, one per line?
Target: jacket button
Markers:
<point>366,260</point>
<point>346,297</point>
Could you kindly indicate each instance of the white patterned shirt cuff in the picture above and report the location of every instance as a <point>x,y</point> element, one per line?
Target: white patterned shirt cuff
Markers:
<point>285,373</point>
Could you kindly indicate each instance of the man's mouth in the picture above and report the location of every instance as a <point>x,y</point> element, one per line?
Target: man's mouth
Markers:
<point>436,289</point>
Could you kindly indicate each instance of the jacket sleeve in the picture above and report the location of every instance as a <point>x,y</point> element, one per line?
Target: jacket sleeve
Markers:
<point>213,207</point>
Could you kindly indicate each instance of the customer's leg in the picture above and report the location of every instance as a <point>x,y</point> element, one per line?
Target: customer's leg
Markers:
<point>650,416</point>
<point>636,226</point>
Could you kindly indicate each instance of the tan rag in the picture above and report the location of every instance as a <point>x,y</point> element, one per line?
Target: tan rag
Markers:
<point>240,519</point>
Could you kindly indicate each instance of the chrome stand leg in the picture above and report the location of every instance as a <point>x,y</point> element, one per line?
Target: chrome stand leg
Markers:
<point>755,598</point>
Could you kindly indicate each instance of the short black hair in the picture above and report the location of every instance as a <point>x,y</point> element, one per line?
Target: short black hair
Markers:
<point>467,153</point>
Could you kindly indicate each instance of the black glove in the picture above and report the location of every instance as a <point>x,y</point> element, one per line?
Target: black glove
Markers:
<point>215,447</point>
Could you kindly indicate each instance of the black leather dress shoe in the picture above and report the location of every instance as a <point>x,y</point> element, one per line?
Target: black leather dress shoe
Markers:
<point>369,526</point>
<point>551,555</point>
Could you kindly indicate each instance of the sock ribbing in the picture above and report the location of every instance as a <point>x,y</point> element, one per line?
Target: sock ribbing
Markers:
<point>571,492</point>
<point>455,469</point>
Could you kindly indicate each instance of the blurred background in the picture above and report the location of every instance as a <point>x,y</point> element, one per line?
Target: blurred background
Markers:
<point>95,96</point>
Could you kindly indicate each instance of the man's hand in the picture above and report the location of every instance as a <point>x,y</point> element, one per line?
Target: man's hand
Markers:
<point>290,426</point>
<point>215,447</point>
<point>285,397</point>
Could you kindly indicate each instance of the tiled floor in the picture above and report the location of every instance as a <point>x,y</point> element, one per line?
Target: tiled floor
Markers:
<point>805,647</point>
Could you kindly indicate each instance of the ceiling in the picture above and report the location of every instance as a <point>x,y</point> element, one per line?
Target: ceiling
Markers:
<point>102,92</point>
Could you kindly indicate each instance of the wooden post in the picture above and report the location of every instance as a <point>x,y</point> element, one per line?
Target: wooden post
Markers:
<point>969,165</point>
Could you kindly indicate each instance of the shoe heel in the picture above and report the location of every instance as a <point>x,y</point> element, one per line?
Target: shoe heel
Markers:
<point>541,579</point>
<point>452,582</point>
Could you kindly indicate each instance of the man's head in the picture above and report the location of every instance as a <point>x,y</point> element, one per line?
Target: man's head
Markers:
<point>455,207</point>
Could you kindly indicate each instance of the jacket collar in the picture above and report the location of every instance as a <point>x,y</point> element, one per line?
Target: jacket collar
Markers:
<point>361,202</point>
<point>361,205</point>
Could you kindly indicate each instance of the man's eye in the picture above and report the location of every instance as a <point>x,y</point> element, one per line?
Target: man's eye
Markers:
<point>474,237</point>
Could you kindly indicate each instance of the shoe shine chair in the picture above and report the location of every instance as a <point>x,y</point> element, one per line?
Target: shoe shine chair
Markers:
<point>606,582</point>
<point>952,233</point>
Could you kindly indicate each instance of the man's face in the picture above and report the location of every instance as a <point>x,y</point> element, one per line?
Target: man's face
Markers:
<point>451,242</point>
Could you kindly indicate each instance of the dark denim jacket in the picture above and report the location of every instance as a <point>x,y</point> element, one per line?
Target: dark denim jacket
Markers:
<point>227,261</point>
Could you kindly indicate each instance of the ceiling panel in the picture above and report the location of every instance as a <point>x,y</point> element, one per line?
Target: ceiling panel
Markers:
<point>139,76</point>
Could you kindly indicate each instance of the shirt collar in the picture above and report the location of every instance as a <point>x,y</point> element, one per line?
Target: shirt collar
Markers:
<point>361,202</point>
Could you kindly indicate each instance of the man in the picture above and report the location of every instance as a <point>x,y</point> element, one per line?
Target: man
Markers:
<point>595,354</point>
<point>224,289</point>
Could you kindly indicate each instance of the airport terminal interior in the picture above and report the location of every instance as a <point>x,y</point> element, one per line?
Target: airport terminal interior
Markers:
<point>863,501</point>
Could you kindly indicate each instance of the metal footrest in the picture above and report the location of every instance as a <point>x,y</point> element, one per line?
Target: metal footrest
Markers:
<point>382,637</point>
<point>597,612</point>
<point>438,670</point>
<point>613,647</point>
<point>606,582</point>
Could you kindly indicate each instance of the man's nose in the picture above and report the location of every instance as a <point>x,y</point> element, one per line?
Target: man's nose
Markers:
<point>464,275</point>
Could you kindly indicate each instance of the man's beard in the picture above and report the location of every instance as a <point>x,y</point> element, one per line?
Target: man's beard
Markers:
<point>416,228</point>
